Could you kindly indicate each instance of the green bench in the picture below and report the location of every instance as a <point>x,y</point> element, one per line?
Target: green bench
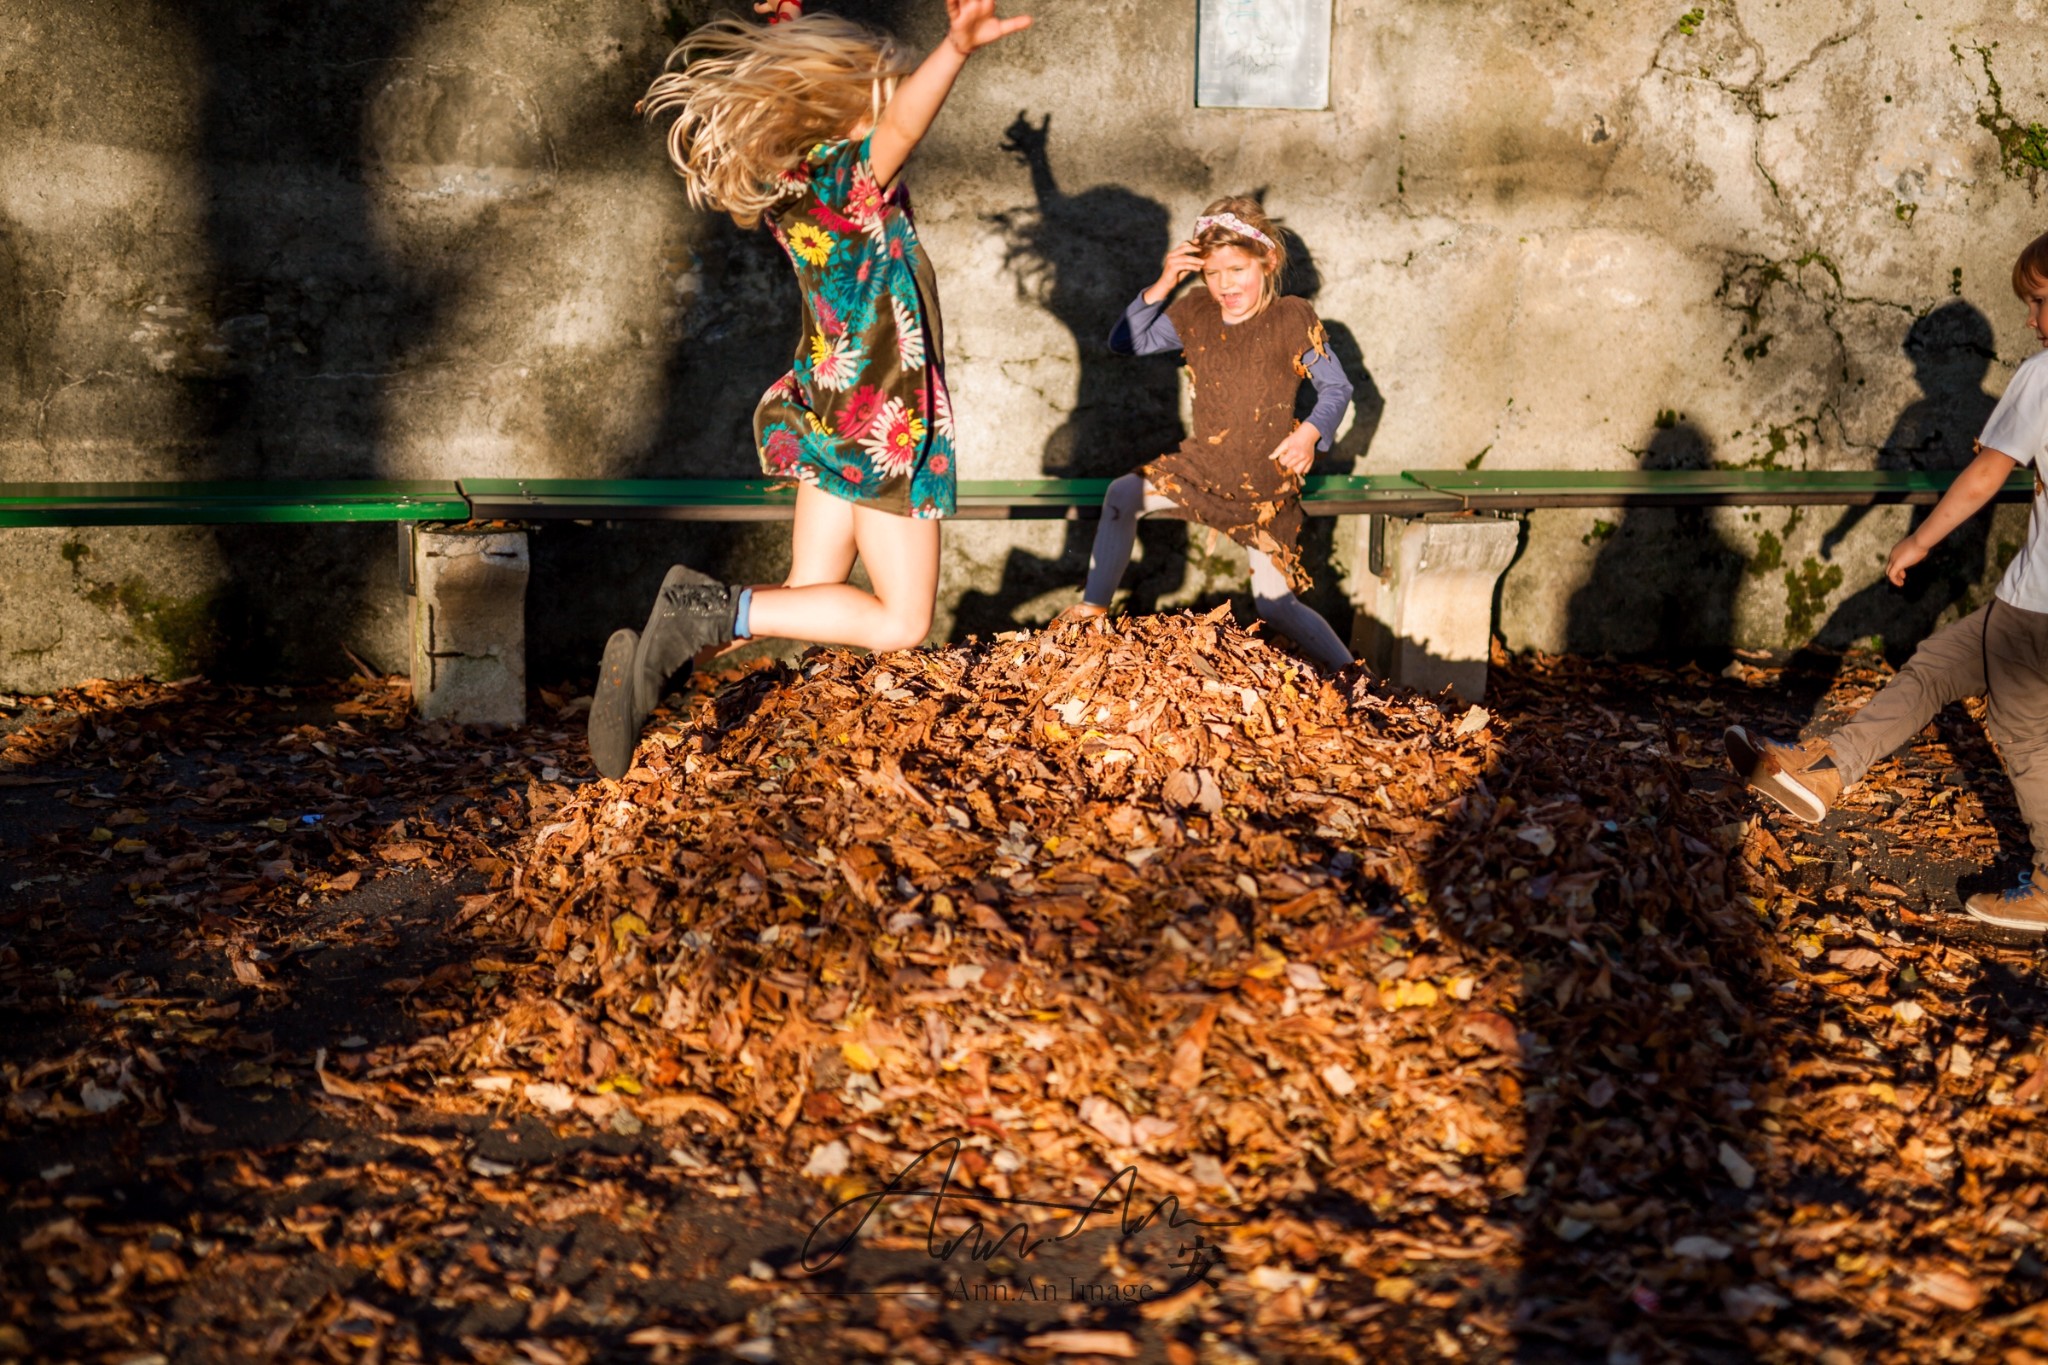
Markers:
<point>1408,494</point>
<point>978,499</point>
<point>1528,490</point>
<point>1425,594</point>
<point>230,502</point>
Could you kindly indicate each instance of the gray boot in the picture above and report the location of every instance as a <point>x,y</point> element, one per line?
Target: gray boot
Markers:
<point>614,724</point>
<point>692,613</point>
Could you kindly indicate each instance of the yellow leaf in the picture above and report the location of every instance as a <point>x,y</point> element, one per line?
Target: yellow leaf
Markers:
<point>1408,995</point>
<point>628,925</point>
<point>1055,731</point>
<point>1884,1092</point>
<point>1395,1288</point>
<point>645,1004</point>
<point>129,845</point>
<point>1271,963</point>
<point>619,1082</point>
<point>102,835</point>
<point>1809,945</point>
<point>859,1056</point>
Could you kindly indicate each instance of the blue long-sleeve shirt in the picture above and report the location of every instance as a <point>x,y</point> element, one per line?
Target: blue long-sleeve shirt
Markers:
<point>1145,329</point>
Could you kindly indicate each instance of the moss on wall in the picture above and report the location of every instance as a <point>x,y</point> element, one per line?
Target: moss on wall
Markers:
<point>2022,145</point>
<point>180,632</point>
<point>1806,598</point>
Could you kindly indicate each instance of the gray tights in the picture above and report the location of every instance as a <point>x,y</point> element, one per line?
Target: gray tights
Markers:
<point>1131,497</point>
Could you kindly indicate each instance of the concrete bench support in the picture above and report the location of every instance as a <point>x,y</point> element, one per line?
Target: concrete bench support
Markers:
<point>469,624</point>
<point>1425,598</point>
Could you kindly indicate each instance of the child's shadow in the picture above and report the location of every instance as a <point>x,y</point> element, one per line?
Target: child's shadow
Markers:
<point>1665,579</point>
<point>1082,257</point>
<point>1951,349</point>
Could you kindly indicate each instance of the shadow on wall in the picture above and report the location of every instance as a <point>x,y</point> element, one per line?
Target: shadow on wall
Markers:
<point>20,327</point>
<point>314,319</point>
<point>732,325</point>
<point>1951,349</point>
<point>1665,579</point>
<point>1347,454</point>
<point>1082,257</point>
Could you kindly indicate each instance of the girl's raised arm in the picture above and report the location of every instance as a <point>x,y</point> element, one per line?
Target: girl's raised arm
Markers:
<point>973,24</point>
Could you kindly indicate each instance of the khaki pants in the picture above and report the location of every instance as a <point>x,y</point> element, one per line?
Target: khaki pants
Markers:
<point>1997,652</point>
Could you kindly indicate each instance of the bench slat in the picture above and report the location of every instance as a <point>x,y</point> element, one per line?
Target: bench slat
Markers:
<point>979,499</point>
<point>230,502</point>
<point>1516,490</point>
<point>628,499</point>
<point>1414,493</point>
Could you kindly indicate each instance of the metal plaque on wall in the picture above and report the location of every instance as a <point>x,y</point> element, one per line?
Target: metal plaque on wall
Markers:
<point>1263,54</point>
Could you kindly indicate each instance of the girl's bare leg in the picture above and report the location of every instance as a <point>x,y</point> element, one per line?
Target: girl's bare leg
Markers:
<point>817,604</point>
<point>821,547</point>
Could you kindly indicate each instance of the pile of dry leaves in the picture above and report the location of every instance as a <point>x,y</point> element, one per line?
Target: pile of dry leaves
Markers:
<point>1395,1029</point>
<point>1088,900</point>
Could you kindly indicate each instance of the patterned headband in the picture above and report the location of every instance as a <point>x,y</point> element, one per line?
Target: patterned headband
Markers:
<point>1233,223</point>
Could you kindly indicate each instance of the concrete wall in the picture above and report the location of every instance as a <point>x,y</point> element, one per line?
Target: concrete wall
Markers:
<point>417,238</point>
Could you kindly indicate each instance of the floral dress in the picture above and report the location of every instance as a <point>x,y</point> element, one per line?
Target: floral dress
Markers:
<point>863,413</point>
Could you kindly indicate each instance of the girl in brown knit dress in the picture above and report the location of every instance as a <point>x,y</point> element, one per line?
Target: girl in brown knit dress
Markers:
<point>1247,350</point>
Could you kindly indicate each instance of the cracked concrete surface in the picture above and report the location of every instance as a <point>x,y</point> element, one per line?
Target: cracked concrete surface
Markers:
<point>385,239</point>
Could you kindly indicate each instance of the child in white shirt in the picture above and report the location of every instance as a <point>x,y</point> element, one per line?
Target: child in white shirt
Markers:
<point>1999,652</point>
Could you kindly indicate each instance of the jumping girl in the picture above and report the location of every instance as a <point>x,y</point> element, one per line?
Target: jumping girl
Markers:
<point>1247,350</point>
<point>805,125</point>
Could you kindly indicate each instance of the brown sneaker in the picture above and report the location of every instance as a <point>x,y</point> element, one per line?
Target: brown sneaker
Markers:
<point>2023,907</point>
<point>1800,777</point>
<point>1080,614</point>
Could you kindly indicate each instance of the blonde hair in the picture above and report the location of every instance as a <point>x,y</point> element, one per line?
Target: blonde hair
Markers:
<point>1273,251</point>
<point>751,99</point>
